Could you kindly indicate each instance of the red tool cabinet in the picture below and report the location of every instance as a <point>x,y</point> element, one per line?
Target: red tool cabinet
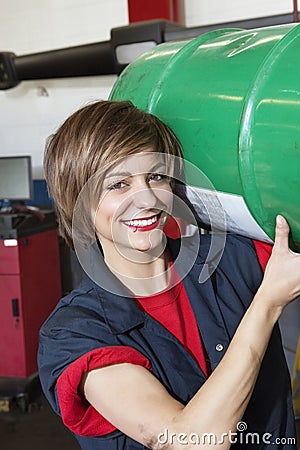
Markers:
<point>30,286</point>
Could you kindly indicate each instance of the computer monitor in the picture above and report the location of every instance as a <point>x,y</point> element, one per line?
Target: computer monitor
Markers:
<point>15,178</point>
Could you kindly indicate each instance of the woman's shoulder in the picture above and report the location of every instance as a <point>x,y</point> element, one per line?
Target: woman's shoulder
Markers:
<point>76,307</point>
<point>239,263</point>
<point>228,242</point>
<point>225,245</point>
<point>245,250</point>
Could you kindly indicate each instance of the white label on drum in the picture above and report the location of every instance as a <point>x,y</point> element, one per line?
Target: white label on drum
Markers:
<point>225,211</point>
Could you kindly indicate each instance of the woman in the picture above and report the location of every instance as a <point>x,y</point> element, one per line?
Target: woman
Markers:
<point>143,353</point>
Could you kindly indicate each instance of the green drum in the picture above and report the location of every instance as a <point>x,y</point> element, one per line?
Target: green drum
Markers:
<point>232,97</point>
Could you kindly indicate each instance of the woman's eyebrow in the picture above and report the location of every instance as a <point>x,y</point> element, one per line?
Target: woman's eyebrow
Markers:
<point>119,174</point>
<point>129,174</point>
<point>158,166</point>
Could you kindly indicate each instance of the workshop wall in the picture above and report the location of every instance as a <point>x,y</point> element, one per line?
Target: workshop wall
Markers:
<point>32,111</point>
<point>34,25</point>
<point>205,12</point>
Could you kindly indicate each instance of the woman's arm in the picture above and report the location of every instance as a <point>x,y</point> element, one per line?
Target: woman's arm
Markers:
<point>132,399</point>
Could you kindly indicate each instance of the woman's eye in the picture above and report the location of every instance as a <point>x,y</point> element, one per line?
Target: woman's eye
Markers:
<point>156,177</point>
<point>117,186</point>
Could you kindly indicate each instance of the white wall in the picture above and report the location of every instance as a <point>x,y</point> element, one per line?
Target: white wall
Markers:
<point>204,12</point>
<point>27,116</point>
<point>32,111</point>
<point>28,26</point>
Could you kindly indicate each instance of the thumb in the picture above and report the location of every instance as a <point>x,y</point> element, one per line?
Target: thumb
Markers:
<point>281,234</point>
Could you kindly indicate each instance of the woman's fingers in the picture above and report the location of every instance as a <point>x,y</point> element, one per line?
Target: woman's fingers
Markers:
<point>281,244</point>
<point>281,283</point>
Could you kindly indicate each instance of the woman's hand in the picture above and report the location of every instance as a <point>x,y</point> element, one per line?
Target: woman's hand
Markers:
<point>281,283</point>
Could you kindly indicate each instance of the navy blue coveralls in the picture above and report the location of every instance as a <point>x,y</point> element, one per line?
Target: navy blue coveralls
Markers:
<point>91,318</point>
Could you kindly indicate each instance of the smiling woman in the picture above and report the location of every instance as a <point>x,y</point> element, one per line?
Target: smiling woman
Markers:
<point>162,334</point>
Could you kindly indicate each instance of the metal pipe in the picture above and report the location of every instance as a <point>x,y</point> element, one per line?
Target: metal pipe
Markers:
<point>83,60</point>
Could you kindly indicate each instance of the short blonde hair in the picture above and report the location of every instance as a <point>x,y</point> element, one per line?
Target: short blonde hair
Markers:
<point>95,136</point>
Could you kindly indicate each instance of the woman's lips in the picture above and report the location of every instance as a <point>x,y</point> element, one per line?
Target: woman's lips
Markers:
<point>143,224</point>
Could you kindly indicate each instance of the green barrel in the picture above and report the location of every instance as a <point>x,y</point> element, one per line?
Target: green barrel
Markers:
<point>232,97</point>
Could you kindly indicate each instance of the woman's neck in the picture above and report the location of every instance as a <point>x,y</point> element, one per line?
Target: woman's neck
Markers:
<point>141,278</point>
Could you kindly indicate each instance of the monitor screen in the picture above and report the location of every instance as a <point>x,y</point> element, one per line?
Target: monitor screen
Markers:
<point>15,178</point>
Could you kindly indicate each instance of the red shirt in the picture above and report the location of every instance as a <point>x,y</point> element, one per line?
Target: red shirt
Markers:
<point>172,309</point>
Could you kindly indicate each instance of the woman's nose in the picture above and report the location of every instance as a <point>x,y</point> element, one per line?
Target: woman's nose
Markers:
<point>144,197</point>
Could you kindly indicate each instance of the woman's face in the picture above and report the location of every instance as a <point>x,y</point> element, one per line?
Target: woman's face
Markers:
<point>135,202</point>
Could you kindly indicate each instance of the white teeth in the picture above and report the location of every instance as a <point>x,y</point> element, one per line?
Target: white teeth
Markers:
<point>141,223</point>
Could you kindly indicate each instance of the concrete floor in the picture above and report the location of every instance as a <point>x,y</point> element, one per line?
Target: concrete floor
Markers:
<point>38,429</point>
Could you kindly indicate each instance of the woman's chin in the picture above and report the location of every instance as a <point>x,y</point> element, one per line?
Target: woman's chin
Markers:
<point>152,243</point>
